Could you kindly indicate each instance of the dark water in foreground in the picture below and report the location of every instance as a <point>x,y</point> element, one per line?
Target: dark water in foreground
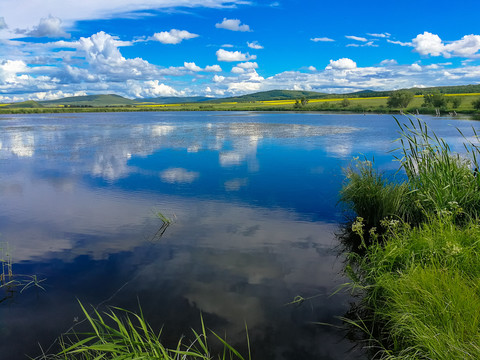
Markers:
<point>254,198</point>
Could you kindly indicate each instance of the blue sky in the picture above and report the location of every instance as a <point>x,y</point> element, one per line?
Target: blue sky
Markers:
<point>150,48</point>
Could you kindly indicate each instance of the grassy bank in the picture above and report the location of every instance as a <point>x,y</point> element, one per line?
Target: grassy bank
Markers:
<point>413,251</point>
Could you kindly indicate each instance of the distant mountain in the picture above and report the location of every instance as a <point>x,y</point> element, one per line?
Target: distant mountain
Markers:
<point>91,100</point>
<point>272,95</point>
<point>174,100</point>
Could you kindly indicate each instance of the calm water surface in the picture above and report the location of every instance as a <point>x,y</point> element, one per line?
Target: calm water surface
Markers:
<point>254,198</point>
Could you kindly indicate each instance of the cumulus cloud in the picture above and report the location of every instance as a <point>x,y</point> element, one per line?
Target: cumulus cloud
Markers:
<point>9,70</point>
<point>218,78</point>
<point>191,66</point>
<point>49,27</point>
<point>213,68</point>
<point>431,44</point>
<point>149,89</point>
<point>312,68</point>
<point>342,64</point>
<point>468,46</point>
<point>416,67</point>
<point>104,58</point>
<point>233,25</point>
<point>322,39</point>
<point>254,45</point>
<point>428,44</point>
<point>237,70</point>
<point>248,65</point>
<point>173,36</point>
<point>231,56</point>
<point>357,38</point>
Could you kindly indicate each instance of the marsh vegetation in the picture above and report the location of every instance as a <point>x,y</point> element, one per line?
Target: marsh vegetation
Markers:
<point>413,249</point>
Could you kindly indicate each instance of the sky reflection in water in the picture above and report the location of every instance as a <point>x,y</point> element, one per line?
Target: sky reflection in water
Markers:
<point>254,197</point>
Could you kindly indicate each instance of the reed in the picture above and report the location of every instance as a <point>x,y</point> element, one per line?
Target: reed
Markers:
<point>122,334</point>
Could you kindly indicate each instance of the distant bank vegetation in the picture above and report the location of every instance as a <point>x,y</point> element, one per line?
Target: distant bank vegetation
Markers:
<point>439,100</point>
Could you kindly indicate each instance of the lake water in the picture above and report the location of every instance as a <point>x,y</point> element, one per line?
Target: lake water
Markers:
<point>253,197</point>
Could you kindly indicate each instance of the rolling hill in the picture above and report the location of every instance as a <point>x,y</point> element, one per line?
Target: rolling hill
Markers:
<point>91,100</point>
<point>271,95</point>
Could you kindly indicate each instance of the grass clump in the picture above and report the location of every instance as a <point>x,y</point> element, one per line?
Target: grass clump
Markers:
<point>122,334</point>
<point>417,256</point>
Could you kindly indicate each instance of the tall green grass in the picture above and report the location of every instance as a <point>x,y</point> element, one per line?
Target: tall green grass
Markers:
<point>437,180</point>
<point>121,334</point>
<point>417,265</point>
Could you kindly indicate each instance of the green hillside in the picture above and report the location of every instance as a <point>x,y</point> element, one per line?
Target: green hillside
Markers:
<point>272,95</point>
<point>29,104</point>
<point>91,100</point>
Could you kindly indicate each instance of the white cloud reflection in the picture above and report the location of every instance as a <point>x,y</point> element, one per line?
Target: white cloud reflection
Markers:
<point>179,176</point>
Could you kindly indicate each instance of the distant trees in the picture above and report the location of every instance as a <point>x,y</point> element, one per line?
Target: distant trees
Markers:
<point>436,100</point>
<point>345,102</point>
<point>399,99</point>
<point>476,104</point>
<point>456,101</point>
<point>300,103</point>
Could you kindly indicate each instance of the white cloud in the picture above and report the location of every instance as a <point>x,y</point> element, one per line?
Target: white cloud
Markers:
<point>227,46</point>
<point>254,45</point>
<point>312,68</point>
<point>213,68</point>
<point>104,58</point>
<point>342,64</point>
<point>388,62</point>
<point>218,78</point>
<point>322,39</point>
<point>173,36</point>
<point>230,56</point>
<point>382,35</point>
<point>151,88</point>
<point>179,176</point>
<point>416,67</point>
<point>431,44</point>
<point>468,46</point>
<point>428,44</point>
<point>9,70</point>
<point>3,24</point>
<point>248,65</point>
<point>237,70</point>
<point>357,38</point>
<point>370,43</point>
<point>399,42</point>
<point>191,66</point>
<point>49,27</point>
<point>232,24</point>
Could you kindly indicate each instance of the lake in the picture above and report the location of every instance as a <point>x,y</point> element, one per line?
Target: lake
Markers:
<point>253,199</point>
